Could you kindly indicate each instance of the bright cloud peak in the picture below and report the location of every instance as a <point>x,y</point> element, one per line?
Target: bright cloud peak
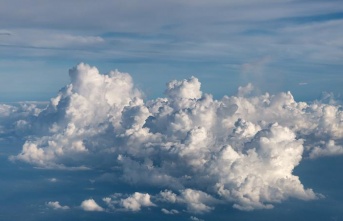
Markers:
<point>91,205</point>
<point>198,151</point>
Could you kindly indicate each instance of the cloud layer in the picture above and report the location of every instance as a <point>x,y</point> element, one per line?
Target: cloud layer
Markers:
<point>197,151</point>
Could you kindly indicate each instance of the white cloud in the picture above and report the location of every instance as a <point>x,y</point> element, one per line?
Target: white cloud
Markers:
<point>188,89</point>
<point>327,149</point>
<point>15,119</point>
<point>195,200</point>
<point>136,201</point>
<point>239,150</point>
<point>270,160</point>
<point>56,206</point>
<point>91,205</point>
<point>169,196</point>
<point>91,101</point>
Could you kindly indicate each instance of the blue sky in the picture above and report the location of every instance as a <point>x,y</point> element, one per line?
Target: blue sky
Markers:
<point>164,110</point>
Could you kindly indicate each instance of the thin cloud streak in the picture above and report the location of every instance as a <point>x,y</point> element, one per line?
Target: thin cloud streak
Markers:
<point>217,30</point>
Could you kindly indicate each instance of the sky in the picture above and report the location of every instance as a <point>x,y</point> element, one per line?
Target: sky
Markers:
<point>187,110</point>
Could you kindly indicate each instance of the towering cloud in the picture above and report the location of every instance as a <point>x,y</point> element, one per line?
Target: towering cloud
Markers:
<point>198,151</point>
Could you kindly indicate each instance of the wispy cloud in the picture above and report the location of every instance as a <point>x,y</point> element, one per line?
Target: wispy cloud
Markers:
<point>196,30</point>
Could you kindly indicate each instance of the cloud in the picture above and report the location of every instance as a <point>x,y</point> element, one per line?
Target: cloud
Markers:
<point>169,212</point>
<point>275,154</point>
<point>134,202</point>
<point>196,201</point>
<point>91,205</point>
<point>302,83</point>
<point>193,218</point>
<point>15,120</point>
<point>327,149</point>
<point>41,39</point>
<point>183,31</point>
<point>85,103</point>
<point>240,150</point>
<point>56,206</point>
<point>189,89</point>
<point>5,32</point>
<point>53,180</point>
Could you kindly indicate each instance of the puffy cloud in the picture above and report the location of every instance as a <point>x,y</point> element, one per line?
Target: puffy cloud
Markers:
<point>15,119</point>
<point>91,105</point>
<point>328,149</point>
<point>189,89</point>
<point>169,196</point>
<point>133,202</point>
<point>91,205</point>
<point>196,201</point>
<point>57,206</point>
<point>136,201</point>
<point>264,172</point>
<point>240,150</point>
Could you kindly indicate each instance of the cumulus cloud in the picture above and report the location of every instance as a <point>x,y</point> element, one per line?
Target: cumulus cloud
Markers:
<point>91,205</point>
<point>134,202</point>
<point>240,150</point>
<point>195,200</point>
<point>16,119</point>
<point>57,206</point>
<point>327,149</point>
<point>91,105</point>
